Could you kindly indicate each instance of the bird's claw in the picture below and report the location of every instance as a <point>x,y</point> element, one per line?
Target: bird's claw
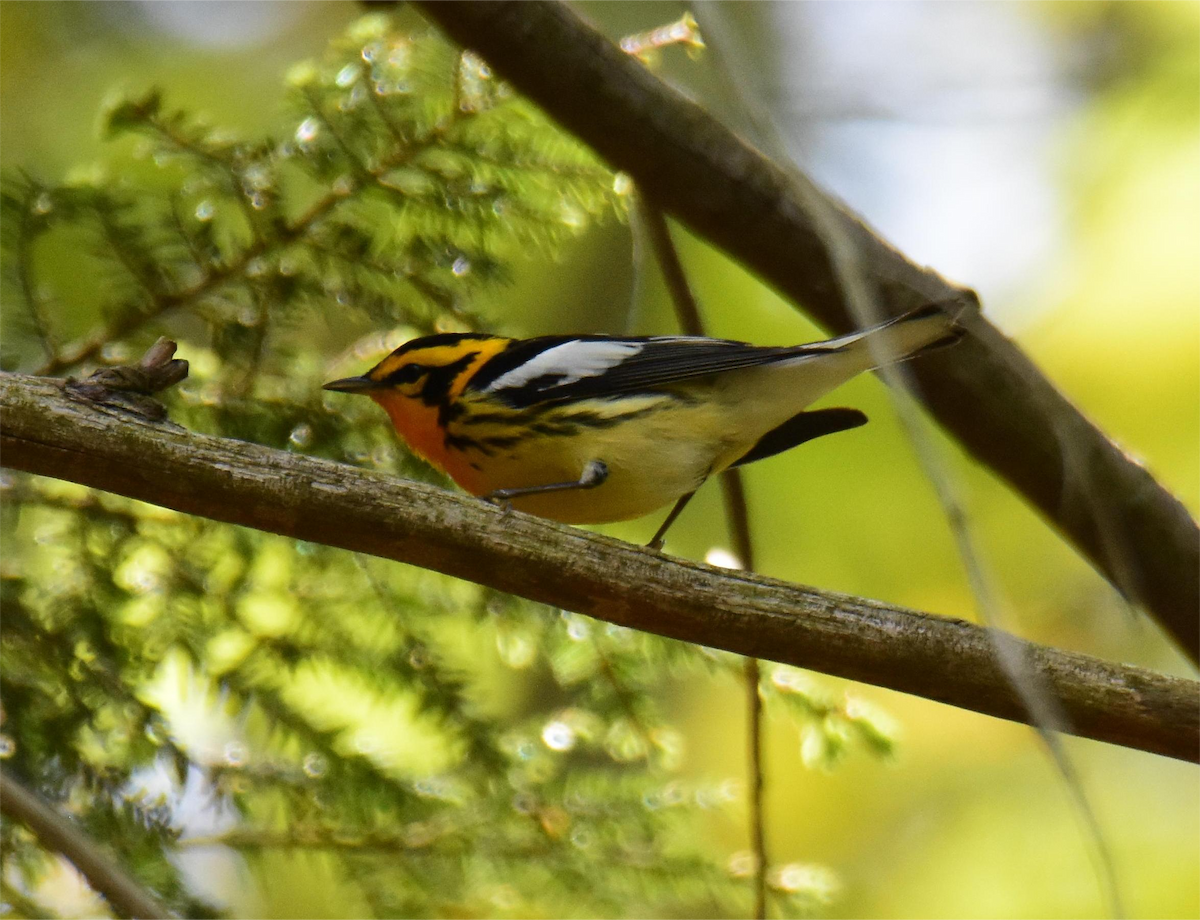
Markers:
<point>499,500</point>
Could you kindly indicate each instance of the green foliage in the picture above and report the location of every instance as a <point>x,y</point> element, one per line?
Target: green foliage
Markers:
<point>443,749</point>
<point>830,726</point>
<point>411,178</point>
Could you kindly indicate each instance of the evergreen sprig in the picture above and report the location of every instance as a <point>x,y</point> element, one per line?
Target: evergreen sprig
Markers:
<point>313,701</point>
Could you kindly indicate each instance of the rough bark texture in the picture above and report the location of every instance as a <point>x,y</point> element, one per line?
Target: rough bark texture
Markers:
<point>46,431</point>
<point>985,392</point>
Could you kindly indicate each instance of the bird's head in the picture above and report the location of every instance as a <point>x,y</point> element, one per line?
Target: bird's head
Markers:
<point>429,370</point>
<point>418,383</point>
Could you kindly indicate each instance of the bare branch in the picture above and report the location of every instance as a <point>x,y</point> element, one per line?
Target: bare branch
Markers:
<point>56,833</point>
<point>46,431</point>
<point>985,391</point>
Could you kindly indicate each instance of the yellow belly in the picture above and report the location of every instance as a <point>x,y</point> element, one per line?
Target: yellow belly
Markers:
<point>658,446</point>
<point>651,462</point>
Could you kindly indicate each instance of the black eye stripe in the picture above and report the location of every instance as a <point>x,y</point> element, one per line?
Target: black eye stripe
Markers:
<point>409,373</point>
<point>437,387</point>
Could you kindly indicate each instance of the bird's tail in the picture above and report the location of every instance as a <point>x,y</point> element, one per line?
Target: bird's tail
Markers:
<point>819,367</point>
<point>914,333</point>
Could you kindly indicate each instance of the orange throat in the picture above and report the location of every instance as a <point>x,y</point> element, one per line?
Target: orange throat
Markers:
<point>417,424</point>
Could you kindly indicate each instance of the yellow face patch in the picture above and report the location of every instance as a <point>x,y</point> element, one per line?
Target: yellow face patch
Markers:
<point>438,356</point>
<point>415,414</point>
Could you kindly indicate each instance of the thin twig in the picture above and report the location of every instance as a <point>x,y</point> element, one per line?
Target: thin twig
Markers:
<point>227,165</point>
<point>244,383</point>
<point>185,235</point>
<point>737,514</point>
<point>734,490</point>
<point>365,175</point>
<point>255,839</point>
<point>364,72</point>
<point>624,697</point>
<point>1045,714</point>
<point>56,833</point>
<point>25,275</point>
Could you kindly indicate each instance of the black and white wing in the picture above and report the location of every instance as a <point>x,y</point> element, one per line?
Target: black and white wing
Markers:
<point>566,368</point>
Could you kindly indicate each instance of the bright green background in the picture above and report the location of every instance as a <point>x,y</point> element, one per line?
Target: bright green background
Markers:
<point>971,820</point>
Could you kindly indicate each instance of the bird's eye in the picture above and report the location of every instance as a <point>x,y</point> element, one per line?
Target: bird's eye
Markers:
<point>409,373</point>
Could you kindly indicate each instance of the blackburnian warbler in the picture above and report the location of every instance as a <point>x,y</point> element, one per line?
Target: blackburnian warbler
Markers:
<point>589,428</point>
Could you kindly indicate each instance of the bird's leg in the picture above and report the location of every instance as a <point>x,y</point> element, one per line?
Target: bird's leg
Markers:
<point>657,542</point>
<point>594,474</point>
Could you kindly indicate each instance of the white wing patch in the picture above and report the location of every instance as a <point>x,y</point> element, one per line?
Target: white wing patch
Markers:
<point>570,361</point>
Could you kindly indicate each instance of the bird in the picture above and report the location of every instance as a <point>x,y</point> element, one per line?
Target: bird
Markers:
<point>589,429</point>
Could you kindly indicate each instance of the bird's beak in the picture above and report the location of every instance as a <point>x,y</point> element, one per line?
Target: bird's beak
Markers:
<point>352,385</point>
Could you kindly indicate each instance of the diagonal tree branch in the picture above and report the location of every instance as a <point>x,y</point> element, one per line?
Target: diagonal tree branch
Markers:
<point>47,431</point>
<point>985,391</point>
<point>56,833</point>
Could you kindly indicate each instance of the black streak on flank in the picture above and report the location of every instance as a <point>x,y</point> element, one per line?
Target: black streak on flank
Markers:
<point>462,444</point>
